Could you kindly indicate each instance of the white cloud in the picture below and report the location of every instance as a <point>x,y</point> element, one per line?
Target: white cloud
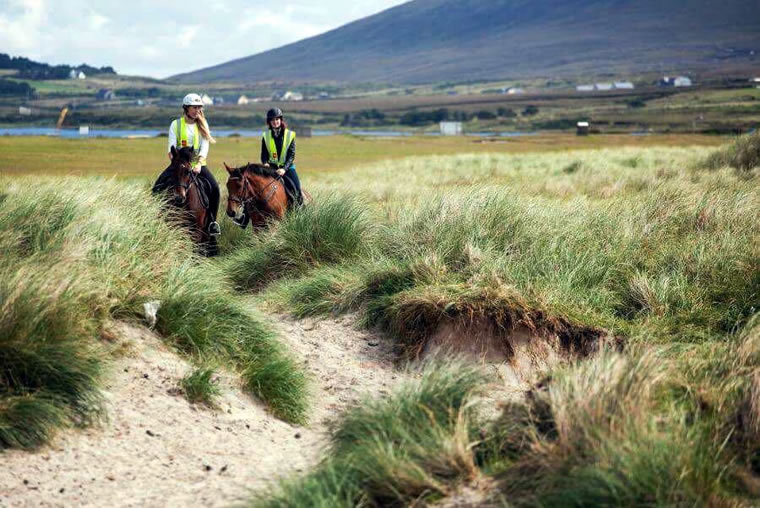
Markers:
<point>98,21</point>
<point>160,39</point>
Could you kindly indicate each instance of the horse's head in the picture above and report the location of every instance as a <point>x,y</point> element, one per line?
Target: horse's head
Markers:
<point>237,189</point>
<point>182,163</point>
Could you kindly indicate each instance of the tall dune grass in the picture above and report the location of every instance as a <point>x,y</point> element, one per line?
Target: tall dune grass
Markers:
<point>632,243</point>
<point>414,446</point>
<point>743,154</point>
<point>79,252</point>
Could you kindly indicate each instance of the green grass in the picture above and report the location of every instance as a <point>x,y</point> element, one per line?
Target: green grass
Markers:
<point>414,446</point>
<point>200,386</point>
<point>632,244</point>
<point>78,253</point>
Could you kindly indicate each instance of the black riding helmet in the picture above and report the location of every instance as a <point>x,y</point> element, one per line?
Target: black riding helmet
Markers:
<point>274,113</point>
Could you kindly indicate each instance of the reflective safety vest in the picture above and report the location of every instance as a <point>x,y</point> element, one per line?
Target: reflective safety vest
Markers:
<point>287,138</point>
<point>180,127</point>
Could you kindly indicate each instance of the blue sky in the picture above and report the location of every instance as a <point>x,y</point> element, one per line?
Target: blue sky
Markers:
<point>159,39</point>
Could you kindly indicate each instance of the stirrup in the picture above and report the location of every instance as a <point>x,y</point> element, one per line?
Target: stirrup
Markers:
<point>213,229</point>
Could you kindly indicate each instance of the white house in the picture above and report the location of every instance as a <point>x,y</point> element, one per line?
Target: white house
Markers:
<point>584,88</point>
<point>623,85</point>
<point>242,100</point>
<point>682,81</point>
<point>603,87</point>
<point>451,128</point>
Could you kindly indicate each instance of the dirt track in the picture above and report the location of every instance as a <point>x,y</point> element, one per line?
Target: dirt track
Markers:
<point>159,450</point>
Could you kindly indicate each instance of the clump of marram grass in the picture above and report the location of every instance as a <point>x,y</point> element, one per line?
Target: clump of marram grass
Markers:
<point>200,386</point>
<point>672,263</point>
<point>205,321</point>
<point>415,445</point>
<point>50,363</point>
<point>327,231</point>
<point>603,433</point>
<point>742,154</point>
<point>107,247</point>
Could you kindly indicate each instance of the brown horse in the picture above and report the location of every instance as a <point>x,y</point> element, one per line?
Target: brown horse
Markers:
<point>191,200</point>
<point>259,190</point>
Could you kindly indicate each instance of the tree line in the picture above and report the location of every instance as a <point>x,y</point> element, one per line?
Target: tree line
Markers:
<point>29,69</point>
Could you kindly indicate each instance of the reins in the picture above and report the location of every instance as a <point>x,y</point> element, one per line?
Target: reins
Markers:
<point>247,190</point>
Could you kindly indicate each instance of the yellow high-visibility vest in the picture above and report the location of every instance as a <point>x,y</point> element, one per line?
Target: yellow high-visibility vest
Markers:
<point>180,127</point>
<point>287,138</point>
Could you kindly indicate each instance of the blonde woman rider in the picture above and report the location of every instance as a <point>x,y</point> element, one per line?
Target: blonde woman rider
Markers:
<point>191,129</point>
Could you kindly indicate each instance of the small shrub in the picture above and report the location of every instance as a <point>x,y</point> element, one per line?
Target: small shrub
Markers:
<point>743,154</point>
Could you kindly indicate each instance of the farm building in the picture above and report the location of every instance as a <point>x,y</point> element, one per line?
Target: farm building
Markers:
<point>675,81</point>
<point>75,74</point>
<point>242,100</point>
<point>515,91</point>
<point>451,128</point>
<point>603,87</point>
<point>584,88</point>
<point>582,129</point>
<point>292,96</point>
<point>623,85</point>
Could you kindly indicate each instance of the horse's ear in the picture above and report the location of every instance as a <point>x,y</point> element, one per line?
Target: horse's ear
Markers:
<point>174,152</point>
<point>229,169</point>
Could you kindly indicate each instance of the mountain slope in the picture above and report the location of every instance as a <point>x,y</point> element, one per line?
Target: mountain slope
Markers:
<point>433,40</point>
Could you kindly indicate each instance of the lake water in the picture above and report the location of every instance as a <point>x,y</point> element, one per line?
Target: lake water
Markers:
<point>151,133</point>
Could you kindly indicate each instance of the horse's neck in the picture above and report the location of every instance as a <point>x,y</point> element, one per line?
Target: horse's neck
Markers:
<point>258,182</point>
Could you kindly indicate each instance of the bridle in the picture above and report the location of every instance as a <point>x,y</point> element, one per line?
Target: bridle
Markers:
<point>249,195</point>
<point>191,180</point>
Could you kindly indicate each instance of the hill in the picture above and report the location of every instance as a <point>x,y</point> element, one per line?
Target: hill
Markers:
<point>437,40</point>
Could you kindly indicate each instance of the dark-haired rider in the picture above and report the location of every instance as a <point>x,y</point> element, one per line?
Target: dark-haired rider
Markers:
<point>278,150</point>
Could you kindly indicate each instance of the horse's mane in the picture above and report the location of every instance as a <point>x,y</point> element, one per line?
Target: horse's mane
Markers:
<point>186,154</point>
<point>256,169</point>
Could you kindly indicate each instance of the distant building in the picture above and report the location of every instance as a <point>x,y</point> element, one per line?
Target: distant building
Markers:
<point>451,128</point>
<point>242,100</point>
<point>105,94</point>
<point>24,111</point>
<point>84,130</point>
<point>75,74</point>
<point>603,87</point>
<point>682,81</point>
<point>584,88</point>
<point>675,81</point>
<point>207,101</point>
<point>756,81</point>
<point>623,85</point>
<point>292,96</point>
<point>515,91</point>
<point>218,100</point>
<point>582,129</point>
<point>324,95</point>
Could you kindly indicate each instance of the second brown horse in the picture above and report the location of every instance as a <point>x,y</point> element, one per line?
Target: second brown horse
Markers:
<point>259,191</point>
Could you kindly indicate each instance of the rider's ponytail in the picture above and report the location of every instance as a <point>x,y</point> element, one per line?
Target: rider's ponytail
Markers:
<point>203,127</point>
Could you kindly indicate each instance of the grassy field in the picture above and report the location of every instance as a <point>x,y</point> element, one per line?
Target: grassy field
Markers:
<point>146,158</point>
<point>640,255</point>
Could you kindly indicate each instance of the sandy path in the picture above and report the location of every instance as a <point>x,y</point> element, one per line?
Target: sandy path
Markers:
<point>159,450</point>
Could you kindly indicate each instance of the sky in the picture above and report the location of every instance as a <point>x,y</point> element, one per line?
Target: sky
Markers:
<point>160,39</point>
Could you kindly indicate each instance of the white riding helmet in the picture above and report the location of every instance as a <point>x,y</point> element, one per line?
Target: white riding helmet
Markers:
<point>192,99</point>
